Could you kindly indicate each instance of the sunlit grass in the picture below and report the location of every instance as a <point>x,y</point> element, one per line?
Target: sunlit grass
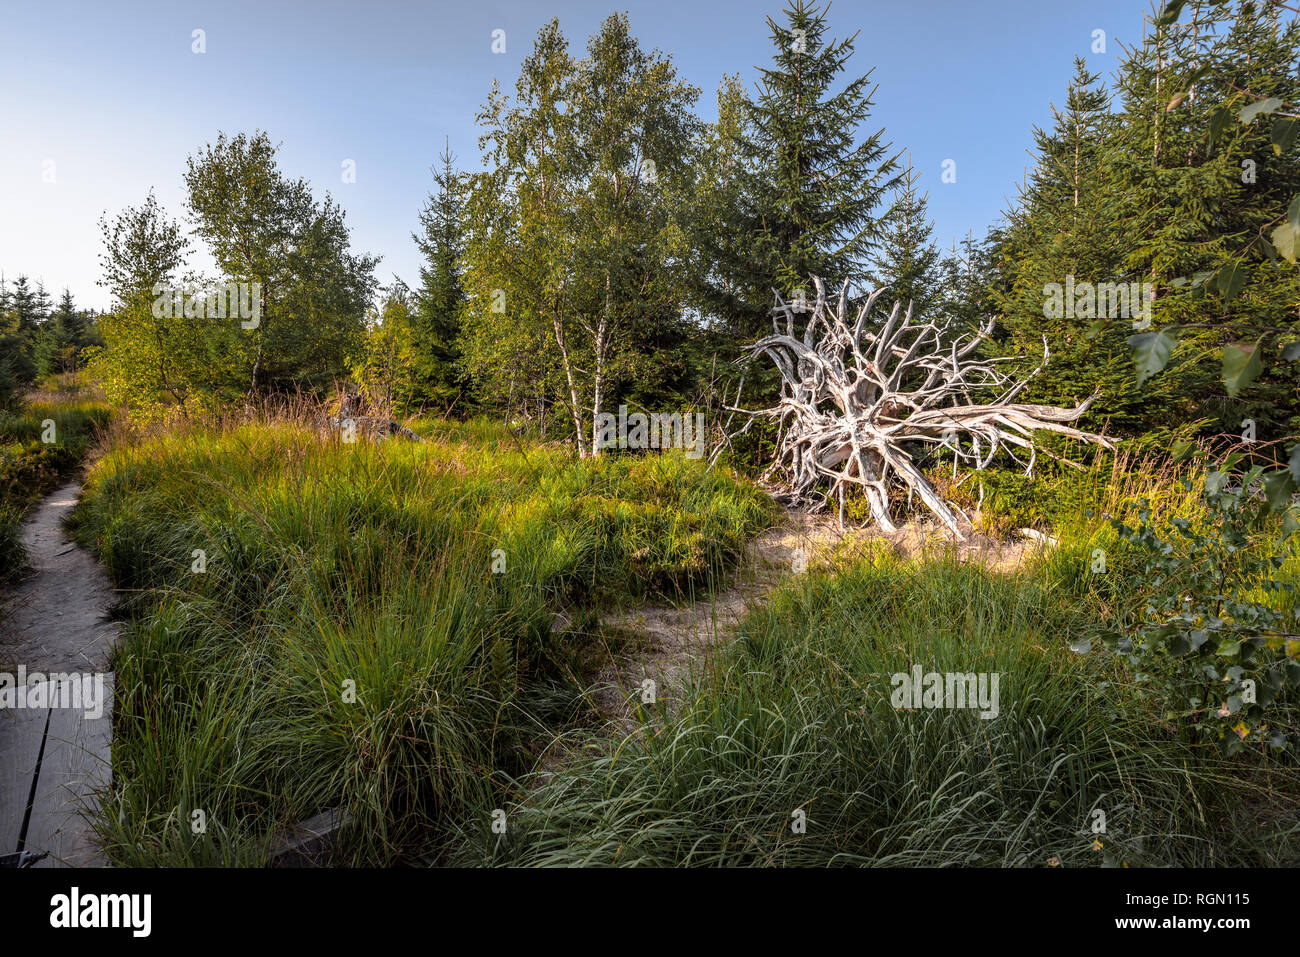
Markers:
<point>349,644</point>
<point>372,627</point>
<point>39,446</point>
<point>796,716</point>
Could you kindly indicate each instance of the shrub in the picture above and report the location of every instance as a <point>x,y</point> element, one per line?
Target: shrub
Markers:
<point>1214,633</point>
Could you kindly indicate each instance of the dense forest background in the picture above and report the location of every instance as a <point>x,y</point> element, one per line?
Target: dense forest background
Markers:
<point>613,248</point>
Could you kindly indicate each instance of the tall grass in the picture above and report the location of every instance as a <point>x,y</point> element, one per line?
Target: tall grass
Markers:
<point>30,465</point>
<point>376,628</point>
<point>797,717</point>
<point>372,628</point>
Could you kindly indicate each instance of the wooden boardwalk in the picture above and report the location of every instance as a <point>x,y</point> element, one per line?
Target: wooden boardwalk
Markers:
<point>53,759</point>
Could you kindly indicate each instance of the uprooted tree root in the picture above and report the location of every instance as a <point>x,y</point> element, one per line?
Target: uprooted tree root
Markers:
<point>854,398</point>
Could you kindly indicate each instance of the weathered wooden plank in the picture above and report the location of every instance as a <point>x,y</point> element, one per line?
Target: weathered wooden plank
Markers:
<point>20,742</point>
<point>310,842</point>
<point>76,763</point>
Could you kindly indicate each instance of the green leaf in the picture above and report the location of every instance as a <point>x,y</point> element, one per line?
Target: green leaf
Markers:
<point>1170,13</point>
<point>1241,365</point>
<point>1214,482</point>
<point>1284,133</point>
<point>1294,463</point>
<point>1230,279</point>
<point>1252,110</point>
<point>1151,351</point>
<point>1219,121</point>
<point>1278,487</point>
<point>1292,352</point>
<point>1181,450</point>
<point>1293,213</point>
<point>1284,238</point>
<point>1081,646</point>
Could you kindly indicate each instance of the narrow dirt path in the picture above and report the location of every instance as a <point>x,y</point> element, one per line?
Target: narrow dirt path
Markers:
<point>55,619</point>
<point>675,639</point>
<point>54,626</point>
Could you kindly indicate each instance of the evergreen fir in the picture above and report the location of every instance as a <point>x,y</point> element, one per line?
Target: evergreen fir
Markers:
<point>812,188</point>
<point>436,319</point>
<point>908,261</point>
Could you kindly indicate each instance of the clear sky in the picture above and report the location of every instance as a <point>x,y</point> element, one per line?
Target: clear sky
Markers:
<point>111,94</point>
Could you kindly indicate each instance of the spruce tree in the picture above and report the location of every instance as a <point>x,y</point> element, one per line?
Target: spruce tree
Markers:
<point>1065,238</point>
<point>1202,190</point>
<point>965,277</point>
<point>812,187</point>
<point>27,310</point>
<point>436,319</point>
<point>907,260</point>
<point>61,339</point>
<point>721,225</point>
<point>10,344</point>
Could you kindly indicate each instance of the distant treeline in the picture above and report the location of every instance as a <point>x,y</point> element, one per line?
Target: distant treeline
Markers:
<point>38,338</point>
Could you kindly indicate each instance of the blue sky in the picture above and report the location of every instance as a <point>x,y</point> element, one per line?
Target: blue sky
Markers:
<point>114,97</point>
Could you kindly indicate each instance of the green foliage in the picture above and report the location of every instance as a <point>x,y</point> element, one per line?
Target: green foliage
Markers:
<point>966,276</point>
<point>262,226</point>
<point>28,463</point>
<point>30,466</point>
<point>806,183</point>
<point>1205,183</point>
<point>577,224</point>
<point>386,368</point>
<point>1214,640</point>
<point>63,336</point>
<point>13,553</point>
<point>10,387</point>
<point>436,373</point>
<point>907,260</point>
<point>1013,500</point>
<point>286,252</point>
<point>150,362</point>
<point>721,244</point>
<point>23,311</point>
<point>1151,352</point>
<point>1065,237</point>
<point>1178,184</point>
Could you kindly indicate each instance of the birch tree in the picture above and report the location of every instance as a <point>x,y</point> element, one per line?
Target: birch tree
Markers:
<point>576,226</point>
